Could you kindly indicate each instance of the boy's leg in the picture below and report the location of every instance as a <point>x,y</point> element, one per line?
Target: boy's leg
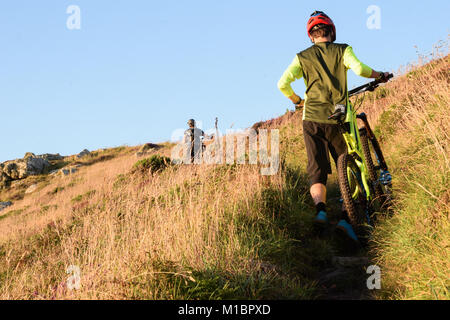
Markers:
<point>318,153</point>
<point>318,166</point>
<point>319,193</point>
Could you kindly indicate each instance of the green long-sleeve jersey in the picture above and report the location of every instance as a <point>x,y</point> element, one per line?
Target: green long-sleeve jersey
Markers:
<point>324,68</point>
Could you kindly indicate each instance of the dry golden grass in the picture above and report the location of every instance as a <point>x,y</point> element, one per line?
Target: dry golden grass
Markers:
<point>225,231</point>
<point>413,120</point>
<point>132,235</point>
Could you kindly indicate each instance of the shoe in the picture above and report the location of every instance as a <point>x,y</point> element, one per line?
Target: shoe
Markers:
<point>346,228</point>
<point>321,218</point>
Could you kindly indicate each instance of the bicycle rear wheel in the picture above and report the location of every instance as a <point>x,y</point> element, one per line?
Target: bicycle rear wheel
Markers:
<point>378,173</point>
<point>353,193</point>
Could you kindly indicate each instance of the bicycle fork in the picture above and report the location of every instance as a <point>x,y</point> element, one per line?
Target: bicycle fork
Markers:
<point>385,176</point>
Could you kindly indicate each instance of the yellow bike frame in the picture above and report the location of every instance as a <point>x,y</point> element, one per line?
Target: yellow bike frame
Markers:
<point>353,141</point>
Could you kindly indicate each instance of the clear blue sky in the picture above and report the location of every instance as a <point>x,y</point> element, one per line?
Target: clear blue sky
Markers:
<point>138,69</point>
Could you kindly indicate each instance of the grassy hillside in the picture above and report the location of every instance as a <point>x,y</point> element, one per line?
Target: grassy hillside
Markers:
<point>225,231</point>
<point>413,247</point>
<point>184,232</point>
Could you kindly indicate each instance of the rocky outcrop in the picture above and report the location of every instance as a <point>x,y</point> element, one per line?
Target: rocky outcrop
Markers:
<point>51,157</point>
<point>22,168</point>
<point>29,155</point>
<point>4,179</point>
<point>30,165</point>
<point>83,153</point>
<point>46,156</point>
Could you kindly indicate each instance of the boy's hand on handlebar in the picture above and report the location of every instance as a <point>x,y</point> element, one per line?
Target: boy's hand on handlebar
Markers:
<point>384,77</point>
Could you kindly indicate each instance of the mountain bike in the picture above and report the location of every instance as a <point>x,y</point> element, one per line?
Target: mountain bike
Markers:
<point>365,184</point>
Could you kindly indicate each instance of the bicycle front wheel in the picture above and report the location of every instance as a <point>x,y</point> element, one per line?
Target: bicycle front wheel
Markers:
<point>377,170</point>
<point>353,192</point>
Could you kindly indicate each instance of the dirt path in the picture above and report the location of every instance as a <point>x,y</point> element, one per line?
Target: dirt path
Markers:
<point>345,278</point>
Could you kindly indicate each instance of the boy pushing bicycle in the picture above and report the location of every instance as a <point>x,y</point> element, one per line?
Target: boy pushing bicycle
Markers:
<point>324,68</point>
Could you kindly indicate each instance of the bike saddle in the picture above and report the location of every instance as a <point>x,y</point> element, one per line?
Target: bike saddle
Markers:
<point>339,113</point>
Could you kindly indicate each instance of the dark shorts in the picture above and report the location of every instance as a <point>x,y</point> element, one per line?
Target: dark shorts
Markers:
<point>320,140</point>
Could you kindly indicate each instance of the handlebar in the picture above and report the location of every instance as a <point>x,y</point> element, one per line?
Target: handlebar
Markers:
<point>339,112</point>
<point>371,86</point>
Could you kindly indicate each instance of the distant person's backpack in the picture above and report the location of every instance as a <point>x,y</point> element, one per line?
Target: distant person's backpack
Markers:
<point>192,132</point>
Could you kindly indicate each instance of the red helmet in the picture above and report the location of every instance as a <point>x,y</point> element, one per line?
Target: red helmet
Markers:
<point>319,17</point>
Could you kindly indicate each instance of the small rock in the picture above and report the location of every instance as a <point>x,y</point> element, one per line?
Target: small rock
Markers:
<point>31,189</point>
<point>83,153</point>
<point>67,171</point>
<point>4,205</point>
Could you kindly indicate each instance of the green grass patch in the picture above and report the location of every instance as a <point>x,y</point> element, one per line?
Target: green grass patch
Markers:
<point>121,181</point>
<point>12,213</point>
<point>46,208</point>
<point>84,196</point>
<point>155,163</point>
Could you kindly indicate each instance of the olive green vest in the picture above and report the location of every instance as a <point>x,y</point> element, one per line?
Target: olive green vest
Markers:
<point>325,78</point>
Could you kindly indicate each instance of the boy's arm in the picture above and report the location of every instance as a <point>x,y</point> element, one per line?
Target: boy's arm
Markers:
<point>292,73</point>
<point>352,62</point>
<point>206,136</point>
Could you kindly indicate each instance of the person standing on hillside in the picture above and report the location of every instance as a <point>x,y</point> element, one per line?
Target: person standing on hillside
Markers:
<point>193,143</point>
<point>324,68</point>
